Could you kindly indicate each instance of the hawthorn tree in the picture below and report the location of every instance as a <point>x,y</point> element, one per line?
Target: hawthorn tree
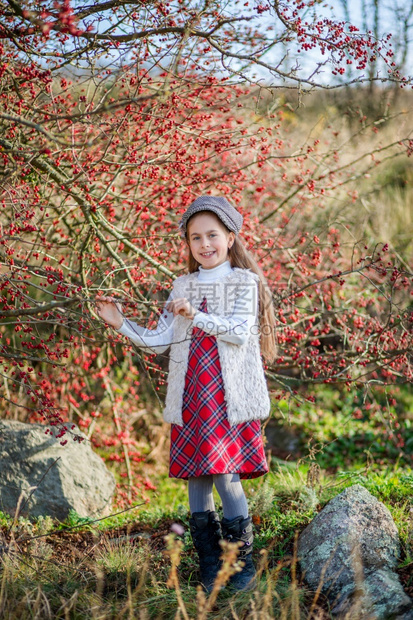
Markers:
<point>114,117</point>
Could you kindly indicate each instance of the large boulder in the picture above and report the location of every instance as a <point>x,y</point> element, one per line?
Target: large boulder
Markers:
<point>352,547</point>
<point>65,477</point>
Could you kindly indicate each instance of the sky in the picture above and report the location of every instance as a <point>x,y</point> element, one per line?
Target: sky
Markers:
<point>361,14</point>
<point>389,21</point>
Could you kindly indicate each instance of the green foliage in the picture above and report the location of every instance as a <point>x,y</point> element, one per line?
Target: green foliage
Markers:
<point>44,525</point>
<point>120,565</point>
<point>309,499</point>
<point>5,520</point>
<point>123,519</point>
<point>329,430</point>
<point>262,501</point>
<point>74,520</point>
<point>387,485</point>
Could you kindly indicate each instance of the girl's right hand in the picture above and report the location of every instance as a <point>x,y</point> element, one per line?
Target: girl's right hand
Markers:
<point>110,311</point>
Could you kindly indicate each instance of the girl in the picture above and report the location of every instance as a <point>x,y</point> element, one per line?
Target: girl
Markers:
<point>216,319</point>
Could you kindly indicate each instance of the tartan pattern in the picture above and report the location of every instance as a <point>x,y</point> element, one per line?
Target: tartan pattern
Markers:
<point>206,444</point>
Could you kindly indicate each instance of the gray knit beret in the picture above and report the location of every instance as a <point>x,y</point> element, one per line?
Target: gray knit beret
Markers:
<point>218,205</point>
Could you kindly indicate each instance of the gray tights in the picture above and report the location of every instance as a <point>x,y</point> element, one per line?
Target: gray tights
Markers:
<point>229,487</point>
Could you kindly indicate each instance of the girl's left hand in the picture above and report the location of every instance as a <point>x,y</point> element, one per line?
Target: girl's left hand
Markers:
<point>181,306</point>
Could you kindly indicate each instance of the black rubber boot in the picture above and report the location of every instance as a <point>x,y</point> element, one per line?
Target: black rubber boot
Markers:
<point>206,534</point>
<point>240,530</point>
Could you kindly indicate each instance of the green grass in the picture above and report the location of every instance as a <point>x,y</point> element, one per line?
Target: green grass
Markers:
<point>111,575</point>
<point>118,567</point>
<point>339,440</point>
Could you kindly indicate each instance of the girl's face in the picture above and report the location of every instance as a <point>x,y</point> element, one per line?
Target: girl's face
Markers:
<point>208,239</point>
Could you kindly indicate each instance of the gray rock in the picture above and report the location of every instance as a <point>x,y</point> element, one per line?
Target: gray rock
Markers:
<point>78,480</point>
<point>405,616</point>
<point>352,547</point>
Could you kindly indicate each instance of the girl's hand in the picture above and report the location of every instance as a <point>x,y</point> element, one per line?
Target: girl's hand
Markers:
<point>181,306</point>
<point>110,311</point>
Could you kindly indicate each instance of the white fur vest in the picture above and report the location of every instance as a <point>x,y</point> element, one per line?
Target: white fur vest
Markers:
<point>246,392</point>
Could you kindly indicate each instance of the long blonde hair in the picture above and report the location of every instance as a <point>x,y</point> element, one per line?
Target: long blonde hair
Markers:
<point>239,256</point>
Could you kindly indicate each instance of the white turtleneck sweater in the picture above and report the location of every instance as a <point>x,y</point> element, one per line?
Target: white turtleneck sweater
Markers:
<point>234,329</point>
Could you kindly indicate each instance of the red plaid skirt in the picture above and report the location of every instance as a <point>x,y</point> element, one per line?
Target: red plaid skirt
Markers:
<point>206,444</point>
